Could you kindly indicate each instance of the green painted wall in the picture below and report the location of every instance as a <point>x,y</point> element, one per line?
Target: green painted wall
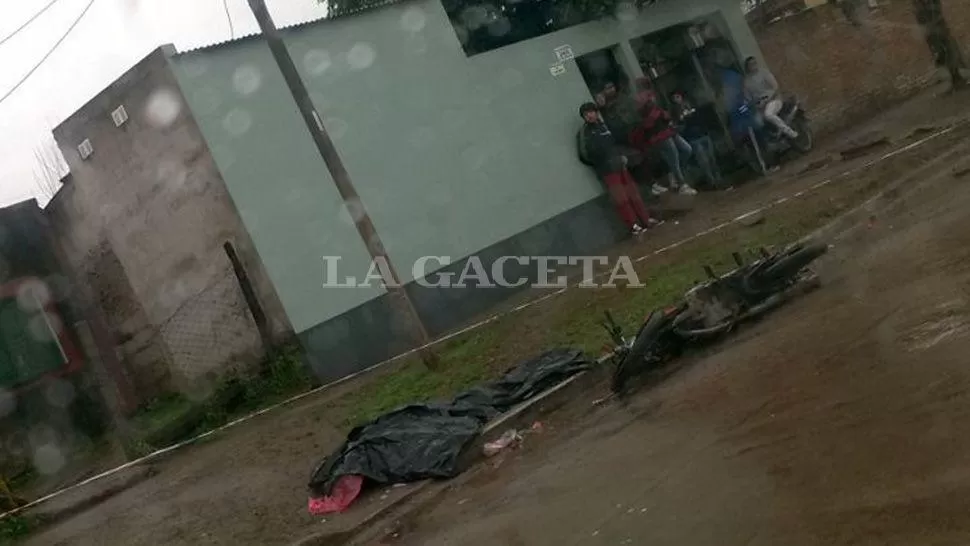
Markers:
<point>275,176</point>
<point>452,153</point>
<point>449,153</point>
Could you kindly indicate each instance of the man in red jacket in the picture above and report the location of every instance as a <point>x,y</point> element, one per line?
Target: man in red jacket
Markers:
<point>657,132</point>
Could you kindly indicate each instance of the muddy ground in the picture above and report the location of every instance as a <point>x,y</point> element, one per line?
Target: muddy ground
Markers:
<point>842,420</point>
<point>827,424</point>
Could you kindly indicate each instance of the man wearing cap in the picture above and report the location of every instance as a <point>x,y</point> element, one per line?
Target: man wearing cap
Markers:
<point>598,149</point>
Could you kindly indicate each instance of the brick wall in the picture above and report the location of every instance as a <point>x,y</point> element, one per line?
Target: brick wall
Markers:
<point>845,73</point>
<point>143,222</point>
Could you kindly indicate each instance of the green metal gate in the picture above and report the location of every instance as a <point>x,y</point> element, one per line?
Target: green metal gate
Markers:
<point>29,344</point>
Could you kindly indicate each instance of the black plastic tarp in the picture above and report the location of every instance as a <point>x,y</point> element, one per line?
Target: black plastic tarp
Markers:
<point>423,441</point>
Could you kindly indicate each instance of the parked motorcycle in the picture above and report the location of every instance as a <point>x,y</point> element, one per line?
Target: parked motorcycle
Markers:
<point>762,144</point>
<point>714,308</point>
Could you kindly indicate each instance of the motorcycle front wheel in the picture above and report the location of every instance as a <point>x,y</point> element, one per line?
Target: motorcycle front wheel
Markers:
<point>805,141</point>
<point>640,356</point>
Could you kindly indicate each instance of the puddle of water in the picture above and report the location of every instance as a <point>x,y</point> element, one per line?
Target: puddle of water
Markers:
<point>948,323</point>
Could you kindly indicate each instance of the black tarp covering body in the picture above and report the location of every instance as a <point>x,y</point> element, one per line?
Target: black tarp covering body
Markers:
<point>424,441</point>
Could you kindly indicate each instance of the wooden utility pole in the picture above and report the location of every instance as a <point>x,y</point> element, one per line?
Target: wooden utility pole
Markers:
<point>341,178</point>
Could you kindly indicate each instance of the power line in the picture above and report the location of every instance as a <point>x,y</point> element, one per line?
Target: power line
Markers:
<point>225,5</point>
<point>49,52</point>
<point>29,21</point>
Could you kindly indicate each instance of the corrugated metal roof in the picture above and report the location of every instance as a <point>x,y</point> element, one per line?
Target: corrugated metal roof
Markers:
<point>365,5</point>
<point>214,45</point>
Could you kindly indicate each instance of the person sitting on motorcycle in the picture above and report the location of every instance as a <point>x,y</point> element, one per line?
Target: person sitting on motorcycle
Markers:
<point>761,87</point>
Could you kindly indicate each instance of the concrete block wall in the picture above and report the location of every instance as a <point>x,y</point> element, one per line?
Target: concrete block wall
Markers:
<point>845,73</point>
<point>144,220</point>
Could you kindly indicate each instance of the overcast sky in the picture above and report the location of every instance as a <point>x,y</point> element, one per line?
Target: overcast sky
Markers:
<point>112,36</point>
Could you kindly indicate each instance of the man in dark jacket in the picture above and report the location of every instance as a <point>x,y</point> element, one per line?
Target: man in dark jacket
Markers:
<point>598,148</point>
<point>619,111</point>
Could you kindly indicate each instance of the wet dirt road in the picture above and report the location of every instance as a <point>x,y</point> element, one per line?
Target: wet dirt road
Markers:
<point>248,485</point>
<point>843,421</point>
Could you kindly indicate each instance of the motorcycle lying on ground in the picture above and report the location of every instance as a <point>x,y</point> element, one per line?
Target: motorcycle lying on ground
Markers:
<point>713,308</point>
<point>763,145</point>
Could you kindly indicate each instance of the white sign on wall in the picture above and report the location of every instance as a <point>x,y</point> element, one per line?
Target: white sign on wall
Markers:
<point>564,53</point>
<point>557,69</point>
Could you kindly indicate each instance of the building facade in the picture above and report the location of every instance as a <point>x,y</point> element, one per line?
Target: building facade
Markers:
<point>453,154</point>
<point>459,144</point>
<point>52,385</point>
<point>37,339</point>
<point>144,221</point>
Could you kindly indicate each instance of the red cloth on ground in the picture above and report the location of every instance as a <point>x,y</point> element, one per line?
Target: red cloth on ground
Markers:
<point>345,491</point>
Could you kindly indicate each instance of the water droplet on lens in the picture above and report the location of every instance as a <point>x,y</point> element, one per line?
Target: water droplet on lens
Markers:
<point>48,459</point>
<point>237,122</point>
<point>171,174</point>
<point>38,327</point>
<point>246,79</point>
<point>361,56</point>
<point>500,27</point>
<point>316,61</point>
<point>163,108</point>
<point>626,11</point>
<point>8,402</point>
<point>60,393</point>
<point>195,66</point>
<point>413,19</point>
<point>336,127</point>
<point>33,295</point>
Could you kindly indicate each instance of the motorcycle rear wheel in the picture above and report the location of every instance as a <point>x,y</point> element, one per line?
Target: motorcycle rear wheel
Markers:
<point>787,266</point>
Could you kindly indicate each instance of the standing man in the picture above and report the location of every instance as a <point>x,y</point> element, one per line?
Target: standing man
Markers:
<point>691,128</point>
<point>619,111</point>
<point>761,86</point>
<point>598,149</point>
<point>656,132</point>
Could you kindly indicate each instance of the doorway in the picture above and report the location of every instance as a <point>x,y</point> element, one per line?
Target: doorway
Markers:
<point>601,67</point>
<point>698,60</point>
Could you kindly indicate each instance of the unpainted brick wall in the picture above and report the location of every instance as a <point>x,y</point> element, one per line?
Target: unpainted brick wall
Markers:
<point>144,220</point>
<point>845,73</point>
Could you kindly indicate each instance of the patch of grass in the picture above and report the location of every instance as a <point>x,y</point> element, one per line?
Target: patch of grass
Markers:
<point>160,411</point>
<point>463,362</point>
<point>174,417</point>
<point>573,319</point>
<point>15,528</point>
<point>280,377</point>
